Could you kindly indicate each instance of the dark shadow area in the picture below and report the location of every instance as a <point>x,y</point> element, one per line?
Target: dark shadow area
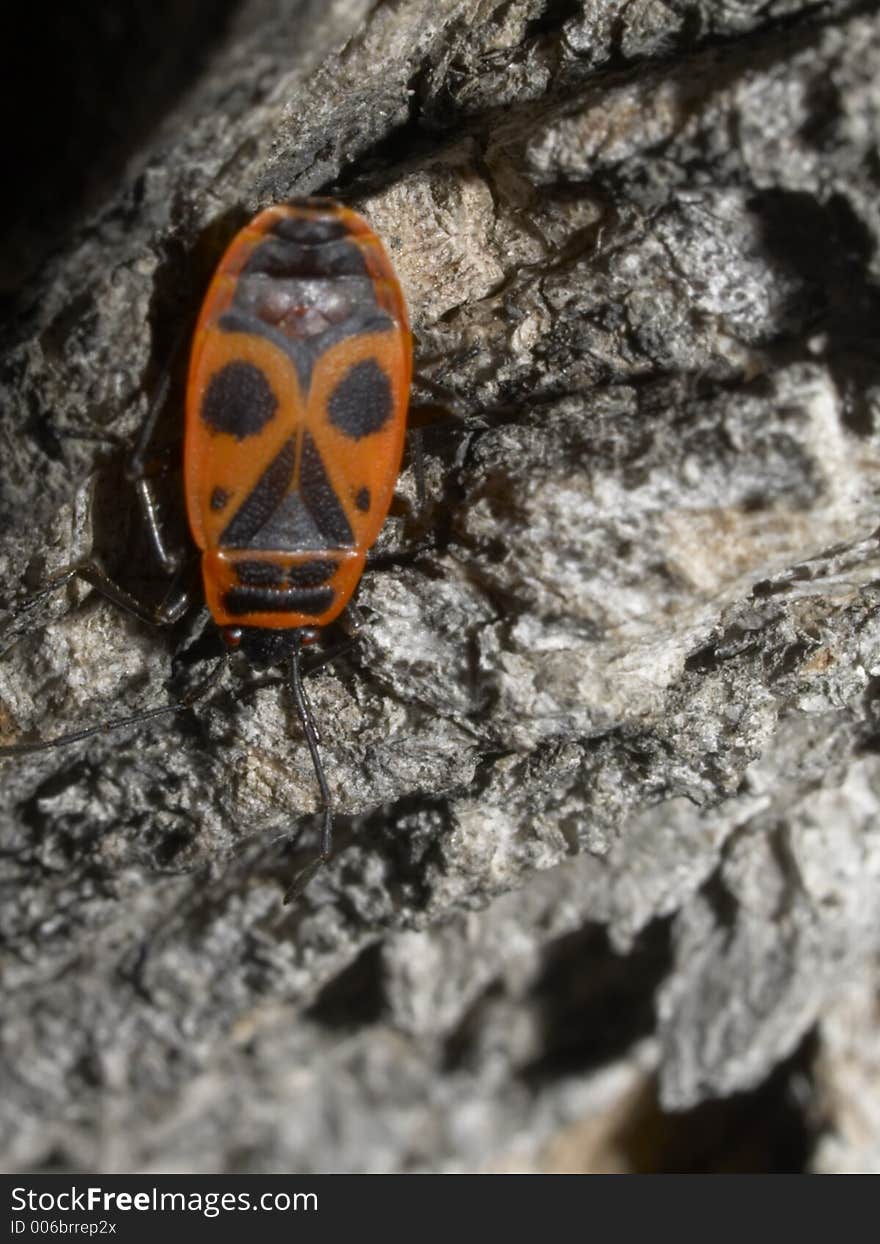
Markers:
<point>355,997</point>
<point>767,1130</point>
<point>85,84</point>
<point>554,16</point>
<point>829,250</point>
<point>596,1004</point>
<point>593,1002</point>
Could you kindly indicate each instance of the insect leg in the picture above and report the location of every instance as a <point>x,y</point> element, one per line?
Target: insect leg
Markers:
<point>116,723</point>
<point>417,452</point>
<point>402,556</point>
<point>136,468</point>
<point>41,593</point>
<point>303,708</point>
<point>351,621</point>
<point>169,611</point>
<point>443,395</point>
<point>424,415</point>
<point>177,598</point>
<point>169,559</point>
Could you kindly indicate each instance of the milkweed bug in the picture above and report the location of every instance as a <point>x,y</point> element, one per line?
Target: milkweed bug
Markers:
<point>296,407</point>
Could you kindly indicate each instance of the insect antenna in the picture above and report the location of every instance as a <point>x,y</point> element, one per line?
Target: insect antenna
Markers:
<point>117,723</point>
<point>303,708</point>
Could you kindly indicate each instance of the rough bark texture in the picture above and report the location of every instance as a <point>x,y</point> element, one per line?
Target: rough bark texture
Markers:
<point>606,756</point>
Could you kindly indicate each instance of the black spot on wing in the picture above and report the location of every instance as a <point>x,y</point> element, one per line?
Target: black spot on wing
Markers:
<point>258,507</point>
<point>219,498</point>
<point>362,499</point>
<point>361,403</point>
<point>239,400</point>
<point>320,499</point>
<point>242,600</point>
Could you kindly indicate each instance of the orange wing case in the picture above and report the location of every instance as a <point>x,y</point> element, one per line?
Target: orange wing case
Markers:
<point>295,415</point>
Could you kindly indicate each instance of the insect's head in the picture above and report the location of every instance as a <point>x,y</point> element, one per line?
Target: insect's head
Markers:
<point>263,647</point>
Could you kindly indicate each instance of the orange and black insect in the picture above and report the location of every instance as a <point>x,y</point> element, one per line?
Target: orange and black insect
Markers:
<point>295,423</point>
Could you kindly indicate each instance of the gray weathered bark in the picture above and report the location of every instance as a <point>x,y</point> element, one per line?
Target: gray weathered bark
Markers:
<point>606,754</point>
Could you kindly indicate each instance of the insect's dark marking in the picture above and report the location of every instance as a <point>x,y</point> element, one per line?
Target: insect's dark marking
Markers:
<point>265,647</point>
<point>291,527</point>
<point>362,499</point>
<point>303,353</point>
<point>317,203</point>
<point>280,258</point>
<point>219,498</point>
<point>242,600</point>
<point>319,497</point>
<point>254,513</point>
<point>258,574</point>
<point>239,400</point>
<point>309,230</point>
<point>273,516</point>
<point>361,403</point>
<point>311,574</point>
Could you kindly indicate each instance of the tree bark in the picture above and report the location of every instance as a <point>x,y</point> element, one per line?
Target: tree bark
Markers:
<point>607,885</point>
